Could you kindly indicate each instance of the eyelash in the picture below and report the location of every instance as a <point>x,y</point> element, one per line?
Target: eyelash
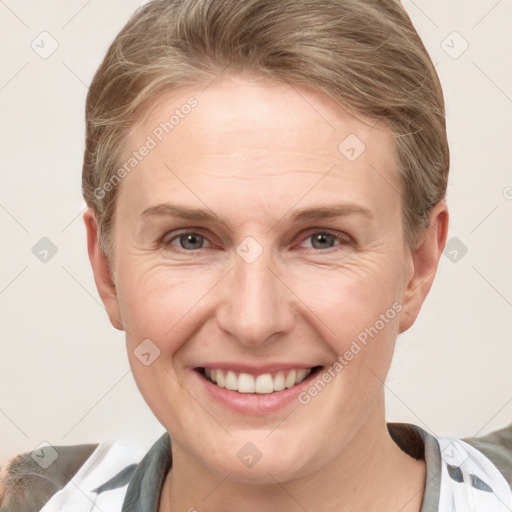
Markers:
<point>340,237</point>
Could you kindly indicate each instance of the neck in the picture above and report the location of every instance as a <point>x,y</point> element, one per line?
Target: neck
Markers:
<point>371,474</point>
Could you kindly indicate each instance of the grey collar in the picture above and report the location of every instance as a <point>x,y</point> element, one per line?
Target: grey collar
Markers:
<point>145,487</point>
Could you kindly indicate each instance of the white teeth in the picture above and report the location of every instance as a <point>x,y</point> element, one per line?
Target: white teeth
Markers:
<point>290,379</point>
<point>279,381</point>
<point>220,379</point>
<point>231,381</point>
<point>301,374</point>
<point>245,383</point>
<point>262,384</point>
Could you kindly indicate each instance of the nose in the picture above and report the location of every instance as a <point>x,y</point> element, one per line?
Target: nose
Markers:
<point>257,303</point>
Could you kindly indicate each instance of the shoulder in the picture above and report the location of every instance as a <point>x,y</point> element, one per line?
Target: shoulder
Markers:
<point>26,484</point>
<point>63,477</point>
<point>497,447</point>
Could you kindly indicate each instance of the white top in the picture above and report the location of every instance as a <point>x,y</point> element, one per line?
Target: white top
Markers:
<point>470,482</point>
<point>484,490</point>
<point>108,460</point>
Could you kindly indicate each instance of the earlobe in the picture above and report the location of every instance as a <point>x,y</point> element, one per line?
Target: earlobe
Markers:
<point>101,270</point>
<point>425,260</point>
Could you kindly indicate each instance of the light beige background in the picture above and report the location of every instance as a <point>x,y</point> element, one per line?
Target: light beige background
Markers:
<point>64,374</point>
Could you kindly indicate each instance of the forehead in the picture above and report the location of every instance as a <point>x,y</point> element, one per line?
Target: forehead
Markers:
<point>274,143</point>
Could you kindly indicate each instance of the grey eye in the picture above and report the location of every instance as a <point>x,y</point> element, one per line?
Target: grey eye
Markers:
<point>322,240</point>
<point>190,241</point>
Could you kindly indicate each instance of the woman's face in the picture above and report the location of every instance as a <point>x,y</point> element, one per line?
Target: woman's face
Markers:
<point>257,237</point>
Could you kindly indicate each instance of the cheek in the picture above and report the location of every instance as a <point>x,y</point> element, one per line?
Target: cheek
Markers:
<point>167,304</point>
<point>160,307</point>
<point>347,301</point>
<point>155,302</point>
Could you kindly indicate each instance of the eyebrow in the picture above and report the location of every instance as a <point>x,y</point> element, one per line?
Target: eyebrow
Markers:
<point>175,210</point>
<point>329,211</point>
<point>311,213</point>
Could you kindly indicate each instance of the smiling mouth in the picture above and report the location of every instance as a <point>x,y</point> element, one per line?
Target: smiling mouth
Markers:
<point>262,384</point>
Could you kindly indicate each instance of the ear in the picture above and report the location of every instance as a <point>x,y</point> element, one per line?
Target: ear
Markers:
<point>100,267</point>
<point>425,259</point>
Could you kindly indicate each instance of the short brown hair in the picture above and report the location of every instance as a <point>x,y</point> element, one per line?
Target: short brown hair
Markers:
<point>365,54</point>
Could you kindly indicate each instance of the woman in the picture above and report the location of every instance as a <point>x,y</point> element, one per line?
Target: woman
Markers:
<point>266,183</point>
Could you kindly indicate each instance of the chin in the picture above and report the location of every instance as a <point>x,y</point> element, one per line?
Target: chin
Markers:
<point>261,462</point>
<point>268,472</point>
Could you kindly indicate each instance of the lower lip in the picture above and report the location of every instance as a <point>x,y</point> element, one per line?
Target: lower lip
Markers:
<point>254,403</point>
